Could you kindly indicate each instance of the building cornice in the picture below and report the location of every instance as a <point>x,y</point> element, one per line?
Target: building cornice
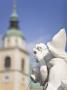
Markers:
<point>11,48</point>
<point>14,70</point>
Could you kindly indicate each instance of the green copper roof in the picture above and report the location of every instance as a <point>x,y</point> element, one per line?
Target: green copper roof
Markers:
<point>14,24</point>
<point>14,32</point>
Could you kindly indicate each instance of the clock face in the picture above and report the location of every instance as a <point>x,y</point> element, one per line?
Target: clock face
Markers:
<point>6,77</point>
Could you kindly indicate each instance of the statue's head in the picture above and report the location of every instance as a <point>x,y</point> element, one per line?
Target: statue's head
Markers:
<point>40,51</point>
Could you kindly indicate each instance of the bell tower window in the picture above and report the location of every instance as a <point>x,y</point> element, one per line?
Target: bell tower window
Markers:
<point>7,62</point>
<point>22,65</point>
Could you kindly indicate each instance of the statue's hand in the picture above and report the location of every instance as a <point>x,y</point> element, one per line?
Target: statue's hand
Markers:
<point>35,74</point>
<point>33,78</point>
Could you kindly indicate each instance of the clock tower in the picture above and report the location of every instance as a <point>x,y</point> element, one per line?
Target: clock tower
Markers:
<point>14,57</point>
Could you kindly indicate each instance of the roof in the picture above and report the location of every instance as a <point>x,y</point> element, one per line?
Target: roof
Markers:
<point>14,29</point>
<point>14,32</point>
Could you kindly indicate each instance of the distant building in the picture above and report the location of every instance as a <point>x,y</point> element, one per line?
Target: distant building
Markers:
<point>14,57</point>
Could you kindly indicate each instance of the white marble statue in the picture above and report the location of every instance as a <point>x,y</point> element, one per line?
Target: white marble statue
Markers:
<point>52,60</point>
<point>41,67</point>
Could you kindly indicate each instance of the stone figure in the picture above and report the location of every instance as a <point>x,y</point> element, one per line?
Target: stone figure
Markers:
<point>41,67</point>
<point>52,60</point>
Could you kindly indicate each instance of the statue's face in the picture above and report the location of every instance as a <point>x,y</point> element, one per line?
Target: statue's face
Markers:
<point>40,51</point>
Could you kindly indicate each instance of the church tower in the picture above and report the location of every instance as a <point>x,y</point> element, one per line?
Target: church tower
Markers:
<point>14,58</point>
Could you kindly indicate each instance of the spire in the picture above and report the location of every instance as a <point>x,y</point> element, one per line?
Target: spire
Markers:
<point>14,6</point>
<point>14,13</point>
<point>14,17</point>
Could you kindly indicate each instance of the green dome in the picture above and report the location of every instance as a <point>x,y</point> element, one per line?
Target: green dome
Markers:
<point>14,32</point>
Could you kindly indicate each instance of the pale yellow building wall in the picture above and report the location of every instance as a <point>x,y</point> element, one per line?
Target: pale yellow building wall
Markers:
<point>16,57</point>
<point>10,86</point>
<point>14,41</point>
<point>17,80</point>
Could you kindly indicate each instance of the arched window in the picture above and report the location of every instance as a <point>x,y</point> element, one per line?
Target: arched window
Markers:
<point>22,65</point>
<point>8,42</point>
<point>7,62</point>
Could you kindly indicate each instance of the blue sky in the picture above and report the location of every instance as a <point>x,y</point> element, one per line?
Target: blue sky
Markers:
<point>39,19</point>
